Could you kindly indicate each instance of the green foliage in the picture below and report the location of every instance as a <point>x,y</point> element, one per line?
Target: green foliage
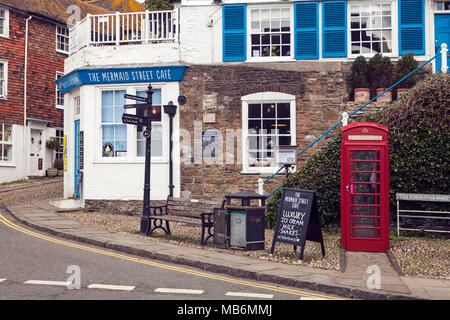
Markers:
<point>358,73</point>
<point>405,65</point>
<point>419,146</point>
<point>53,144</point>
<point>380,71</point>
<point>158,5</point>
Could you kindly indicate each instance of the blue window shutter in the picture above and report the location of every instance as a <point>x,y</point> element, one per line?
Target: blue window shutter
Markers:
<point>234,32</point>
<point>411,26</point>
<point>306,23</point>
<point>334,29</point>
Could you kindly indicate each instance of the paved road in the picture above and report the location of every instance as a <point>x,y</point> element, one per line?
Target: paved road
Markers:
<point>37,266</point>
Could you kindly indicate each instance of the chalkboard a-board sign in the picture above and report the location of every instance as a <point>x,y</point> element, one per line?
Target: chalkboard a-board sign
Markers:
<point>298,220</point>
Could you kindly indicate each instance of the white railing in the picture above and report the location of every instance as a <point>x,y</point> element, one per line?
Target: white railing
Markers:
<point>125,28</point>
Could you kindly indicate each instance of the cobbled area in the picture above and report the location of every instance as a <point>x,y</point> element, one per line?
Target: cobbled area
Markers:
<point>33,189</point>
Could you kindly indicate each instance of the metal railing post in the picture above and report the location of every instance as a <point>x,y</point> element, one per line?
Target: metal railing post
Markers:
<point>147,27</point>
<point>344,119</point>
<point>444,51</point>
<point>117,28</point>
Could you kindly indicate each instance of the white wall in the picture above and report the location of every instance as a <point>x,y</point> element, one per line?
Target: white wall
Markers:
<point>14,171</point>
<point>118,178</point>
<point>201,34</point>
<point>148,54</point>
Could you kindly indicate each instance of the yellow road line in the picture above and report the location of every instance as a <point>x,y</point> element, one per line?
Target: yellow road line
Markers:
<point>164,266</point>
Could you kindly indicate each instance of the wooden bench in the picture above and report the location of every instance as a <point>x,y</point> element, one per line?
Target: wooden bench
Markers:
<point>160,218</point>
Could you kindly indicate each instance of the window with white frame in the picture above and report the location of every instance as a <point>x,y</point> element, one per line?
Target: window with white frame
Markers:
<point>270,32</point>
<point>59,95</point>
<point>114,132</point>
<point>76,106</point>
<point>6,143</point>
<point>268,122</point>
<point>60,137</point>
<point>371,28</point>
<point>4,22</point>
<point>157,139</point>
<point>62,39</point>
<point>3,79</point>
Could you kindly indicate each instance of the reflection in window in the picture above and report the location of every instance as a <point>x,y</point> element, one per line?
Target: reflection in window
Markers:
<point>271,32</point>
<point>6,143</point>
<point>371,28</point>
<point>114,132</point>
<point>157,139</point>
<point>269,125</point>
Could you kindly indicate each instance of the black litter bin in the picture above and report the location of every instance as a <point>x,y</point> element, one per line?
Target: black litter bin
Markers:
<point>241,226</point>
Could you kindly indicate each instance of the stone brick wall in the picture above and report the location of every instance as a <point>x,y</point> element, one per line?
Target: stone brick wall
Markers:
<point>43,62</point>
<point>320,99</point>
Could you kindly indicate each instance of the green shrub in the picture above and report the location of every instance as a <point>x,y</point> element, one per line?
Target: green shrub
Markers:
<point>380,72</point>
<point>419,145</point>
<point>359,77</point>
<point>405,65</point>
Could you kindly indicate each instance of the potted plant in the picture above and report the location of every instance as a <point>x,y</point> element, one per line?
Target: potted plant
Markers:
<point>359,79</point>
<point>59,164</point>
<point>380,75</point>
<point>52,144</point>
<point>405,65</point>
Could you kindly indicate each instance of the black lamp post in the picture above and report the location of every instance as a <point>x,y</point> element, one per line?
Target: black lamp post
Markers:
<point>171,110</point>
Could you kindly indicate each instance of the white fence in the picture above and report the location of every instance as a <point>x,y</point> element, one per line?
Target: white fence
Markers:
<point>125,28</point>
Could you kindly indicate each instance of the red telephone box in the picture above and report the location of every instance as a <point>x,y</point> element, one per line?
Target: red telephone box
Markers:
<point>365,187</point>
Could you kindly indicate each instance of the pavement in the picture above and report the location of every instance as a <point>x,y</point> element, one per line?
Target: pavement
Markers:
<point>357,278</point>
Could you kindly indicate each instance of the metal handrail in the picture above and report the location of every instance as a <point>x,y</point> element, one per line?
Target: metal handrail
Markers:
<point>350,115</point>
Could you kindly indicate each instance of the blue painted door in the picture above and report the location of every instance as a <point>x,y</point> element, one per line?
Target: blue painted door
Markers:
<point>442,34</point>
<point>77,155</point>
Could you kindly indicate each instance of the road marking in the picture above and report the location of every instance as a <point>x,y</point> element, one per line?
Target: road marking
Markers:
<point>249,295</point>
<point>164,266</point>
<point>182,291</point>
<point>48,283</point>
<point>1,280</point>
<point>110,287</point>
<point>308,298</point>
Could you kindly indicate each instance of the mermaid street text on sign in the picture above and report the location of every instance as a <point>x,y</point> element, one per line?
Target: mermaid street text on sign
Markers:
<point>298,220</point>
